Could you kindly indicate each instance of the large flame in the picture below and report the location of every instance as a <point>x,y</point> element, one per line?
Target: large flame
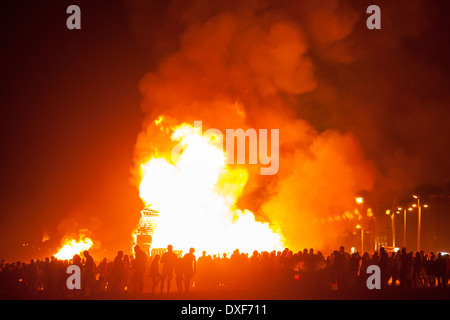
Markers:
<point>196,196</point>
<point>72,247</point>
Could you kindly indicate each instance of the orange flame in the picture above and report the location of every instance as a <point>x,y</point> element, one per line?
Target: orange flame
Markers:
<point>196,195</point>
<point>72,247</point>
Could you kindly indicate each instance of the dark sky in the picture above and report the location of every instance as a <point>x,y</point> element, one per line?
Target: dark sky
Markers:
<point>69,118</point>
<point>70,109</point>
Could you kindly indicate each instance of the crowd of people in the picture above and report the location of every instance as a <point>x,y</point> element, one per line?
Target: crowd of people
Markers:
<point>261,271</point>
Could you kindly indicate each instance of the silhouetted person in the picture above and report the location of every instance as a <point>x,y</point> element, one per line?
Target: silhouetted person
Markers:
<point>441,271</point>
<point>383,264</point>
<point>417,266</point>
<point>102,268</point>
<point>423,269</point>
<point>375,259</point>
<point>102,271</point>
<point>52,275</point>
<point>354,262</point>
<point>189,268</point>
<point>405,269</point>
<point>32,275</point>
<point>431,270</point>
<point>168,260</point>
<point>179,274</point>
<point>339,268</point>
<point>154,272</point>
<point>76,260</point>
<point>394,267</point>
<point>118,273</point>
<point>365,263</point>
<point>202,271</point>
<point>89,273</point>
<point>139,268</point>
<point>128,279</point>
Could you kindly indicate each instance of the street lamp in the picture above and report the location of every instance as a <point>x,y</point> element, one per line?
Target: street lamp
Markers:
<point>388,212</point>
<point>404,224</point>
<point>419,218</point>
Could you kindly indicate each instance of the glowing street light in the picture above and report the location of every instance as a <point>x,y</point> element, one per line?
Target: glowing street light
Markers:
<point>404,225</point>
<point>419,218</point>
<point>388,212</point>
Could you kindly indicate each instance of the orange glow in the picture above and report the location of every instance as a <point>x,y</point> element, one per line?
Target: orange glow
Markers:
<point>196,194</point>
<point>72,247</point>
<point>359,200</point>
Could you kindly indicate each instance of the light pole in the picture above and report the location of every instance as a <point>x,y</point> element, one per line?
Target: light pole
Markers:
<point>388,212</point>
<point>404,225</point>
<point>419,219</point>
<point>360,202</point>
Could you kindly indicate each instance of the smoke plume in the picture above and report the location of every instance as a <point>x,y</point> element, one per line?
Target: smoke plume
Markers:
<point>287,65</point>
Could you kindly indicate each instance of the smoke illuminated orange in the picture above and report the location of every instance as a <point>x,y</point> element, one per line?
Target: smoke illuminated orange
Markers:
<point>196,195</point>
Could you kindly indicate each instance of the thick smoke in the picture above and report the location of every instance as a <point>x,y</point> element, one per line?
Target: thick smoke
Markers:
<point>291,66</point>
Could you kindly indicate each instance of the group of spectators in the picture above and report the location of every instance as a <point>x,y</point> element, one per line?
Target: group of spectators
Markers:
<point>48,278</point>
<point>278,271</point>
<point>261,271</point>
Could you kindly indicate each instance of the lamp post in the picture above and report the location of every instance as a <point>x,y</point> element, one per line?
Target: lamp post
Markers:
<point>360,202</point>
<point>388,212</point>
<point>419,219</point>
<point>404,225</point>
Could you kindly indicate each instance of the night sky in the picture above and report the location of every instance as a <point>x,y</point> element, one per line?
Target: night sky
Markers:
<point>70,108</point>
<point>70,117</point>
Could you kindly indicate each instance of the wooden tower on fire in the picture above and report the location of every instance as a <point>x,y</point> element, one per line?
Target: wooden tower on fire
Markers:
<point>144,232</point>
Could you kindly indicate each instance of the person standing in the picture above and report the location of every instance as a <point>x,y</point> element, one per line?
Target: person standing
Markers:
<point>118,272</point>
<point>154,272</point>
<point>405,269</point>
<point>139,269</point>
<point>190,268</point>
<point>441,271</point>
<point>168,260</point>
<point>383,264</point>
<point>89,273</point>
